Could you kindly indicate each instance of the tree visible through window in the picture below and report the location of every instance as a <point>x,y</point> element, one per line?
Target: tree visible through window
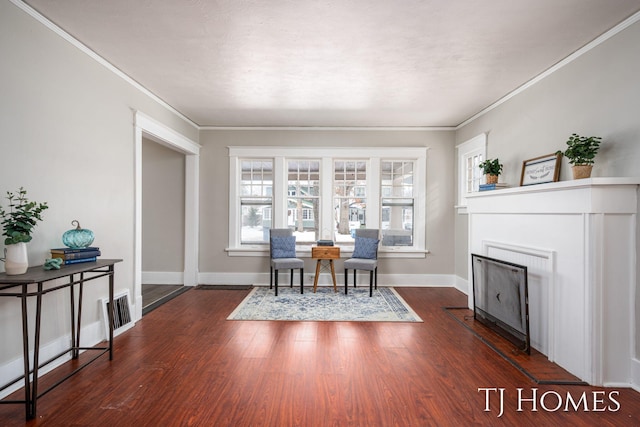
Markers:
<point>303,202</point>
<point>256,191</point>
<point>350,201</point>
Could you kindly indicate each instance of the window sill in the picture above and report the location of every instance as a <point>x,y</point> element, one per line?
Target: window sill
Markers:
<point>345,252</point>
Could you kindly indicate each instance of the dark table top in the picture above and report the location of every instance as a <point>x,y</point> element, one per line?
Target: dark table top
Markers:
<point>38,274</point>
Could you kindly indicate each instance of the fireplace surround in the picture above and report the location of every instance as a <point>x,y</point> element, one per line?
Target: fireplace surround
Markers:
<point>578,241</point>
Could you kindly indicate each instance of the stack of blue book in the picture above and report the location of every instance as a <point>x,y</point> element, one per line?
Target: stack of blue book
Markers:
<point>75,256</point>
<point>488,187</point>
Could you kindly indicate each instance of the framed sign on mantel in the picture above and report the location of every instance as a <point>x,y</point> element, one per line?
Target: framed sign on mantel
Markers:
<point>540,170</point>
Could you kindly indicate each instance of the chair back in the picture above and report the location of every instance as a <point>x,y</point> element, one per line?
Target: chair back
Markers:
<point>280,232</point>
<point>369,233</point>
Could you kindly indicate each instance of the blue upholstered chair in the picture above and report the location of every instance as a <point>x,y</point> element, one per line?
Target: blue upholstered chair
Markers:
<point>282,245</point>
<point>364,257</point>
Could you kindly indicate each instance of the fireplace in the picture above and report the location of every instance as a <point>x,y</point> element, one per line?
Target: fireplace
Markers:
<point>501,300</point>
<point>578,242</point>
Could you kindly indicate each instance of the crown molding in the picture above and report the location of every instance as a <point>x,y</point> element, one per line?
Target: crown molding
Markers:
<point>335,128</point>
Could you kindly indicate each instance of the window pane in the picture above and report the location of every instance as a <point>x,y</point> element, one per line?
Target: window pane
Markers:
<point>397,179</point>
<point>302,217</point>
<point>256,222</point>
<point>303,203</point>
<point>473,174</point>
<point>256,189</point>
<point>257,178</point>
<point>350,215</point>
<point>397,225</point>
<point>396,220</point>
<point>350,184</point>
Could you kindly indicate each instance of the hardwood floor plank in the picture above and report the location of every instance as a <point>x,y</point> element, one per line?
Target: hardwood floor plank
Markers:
<point>184,364</point>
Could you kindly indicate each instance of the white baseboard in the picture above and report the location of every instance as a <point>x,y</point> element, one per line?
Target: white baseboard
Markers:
<point>163,277</point>
<point>635,374</point>
<point>462,285</point>
<point>262,279</point>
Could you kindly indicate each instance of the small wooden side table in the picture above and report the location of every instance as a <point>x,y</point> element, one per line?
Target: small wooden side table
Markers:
<point>322,253</point>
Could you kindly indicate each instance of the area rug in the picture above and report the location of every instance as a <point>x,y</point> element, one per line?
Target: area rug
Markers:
<point>536,365</point>
<point>325,305</point>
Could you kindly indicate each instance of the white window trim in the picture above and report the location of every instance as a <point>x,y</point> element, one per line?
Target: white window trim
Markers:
<point>474,146</point>
<point>326,156</point>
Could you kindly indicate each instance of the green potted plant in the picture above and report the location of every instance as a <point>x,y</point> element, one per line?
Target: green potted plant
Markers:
<point>581,152</point>
<point>492,170</point>
<point>17,225</point>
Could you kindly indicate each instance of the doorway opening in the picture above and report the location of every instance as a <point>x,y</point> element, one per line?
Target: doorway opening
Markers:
<point>173,224</point>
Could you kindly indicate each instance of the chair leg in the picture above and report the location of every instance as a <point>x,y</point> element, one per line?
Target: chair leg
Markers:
<point>271,277</point>
<point>301,276</point>
<point>376,276</point>
<point>346,279</point>
<point>371,283</point>
<point>291,279</point>
<point>354,277</point>
<point>276,282</point>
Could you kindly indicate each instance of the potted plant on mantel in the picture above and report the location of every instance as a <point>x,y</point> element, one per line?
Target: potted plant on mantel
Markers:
<point>491,169</point>
<point>17,225</point>
<point>581,152</point>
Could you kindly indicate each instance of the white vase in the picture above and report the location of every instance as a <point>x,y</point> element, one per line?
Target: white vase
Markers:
<point>15,259</point>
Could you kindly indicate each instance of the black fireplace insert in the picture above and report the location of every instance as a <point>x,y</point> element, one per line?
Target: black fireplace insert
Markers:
<point>500,298</point>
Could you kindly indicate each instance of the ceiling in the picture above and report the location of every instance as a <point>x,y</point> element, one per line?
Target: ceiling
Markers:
<point>426,63</point>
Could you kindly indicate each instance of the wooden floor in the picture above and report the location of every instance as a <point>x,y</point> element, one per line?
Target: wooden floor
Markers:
<point>185,365</point>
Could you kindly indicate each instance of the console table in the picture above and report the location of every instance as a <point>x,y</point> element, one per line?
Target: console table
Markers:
<point>325,253</point>
<point>35,283</point>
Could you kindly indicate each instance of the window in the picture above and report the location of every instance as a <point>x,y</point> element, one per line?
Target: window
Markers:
<point>328,193</point>
<point>397,202</point>
<point>350,198</point>
<point>470,154</point>
<point>303,202</point>
<point>256,185</point>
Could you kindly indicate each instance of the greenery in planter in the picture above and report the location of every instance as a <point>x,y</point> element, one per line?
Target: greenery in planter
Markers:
<point>18,222</point>
<point>581,150</point>
<point>491,167</point>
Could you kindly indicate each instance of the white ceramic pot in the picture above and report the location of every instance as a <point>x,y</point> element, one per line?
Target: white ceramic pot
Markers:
<point>15,259</point>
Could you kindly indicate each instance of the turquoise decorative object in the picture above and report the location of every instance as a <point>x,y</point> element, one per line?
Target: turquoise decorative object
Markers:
<point>53,263</point>
<point>77,238</point>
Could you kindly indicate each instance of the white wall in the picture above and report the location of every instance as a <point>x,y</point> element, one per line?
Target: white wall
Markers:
<point>67,136</point>
<point>163,184</point>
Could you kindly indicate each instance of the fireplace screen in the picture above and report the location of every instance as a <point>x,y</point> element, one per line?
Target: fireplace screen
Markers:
<point>500,298</point>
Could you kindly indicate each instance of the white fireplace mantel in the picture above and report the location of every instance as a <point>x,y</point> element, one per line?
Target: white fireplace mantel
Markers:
<point>578,239</point>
